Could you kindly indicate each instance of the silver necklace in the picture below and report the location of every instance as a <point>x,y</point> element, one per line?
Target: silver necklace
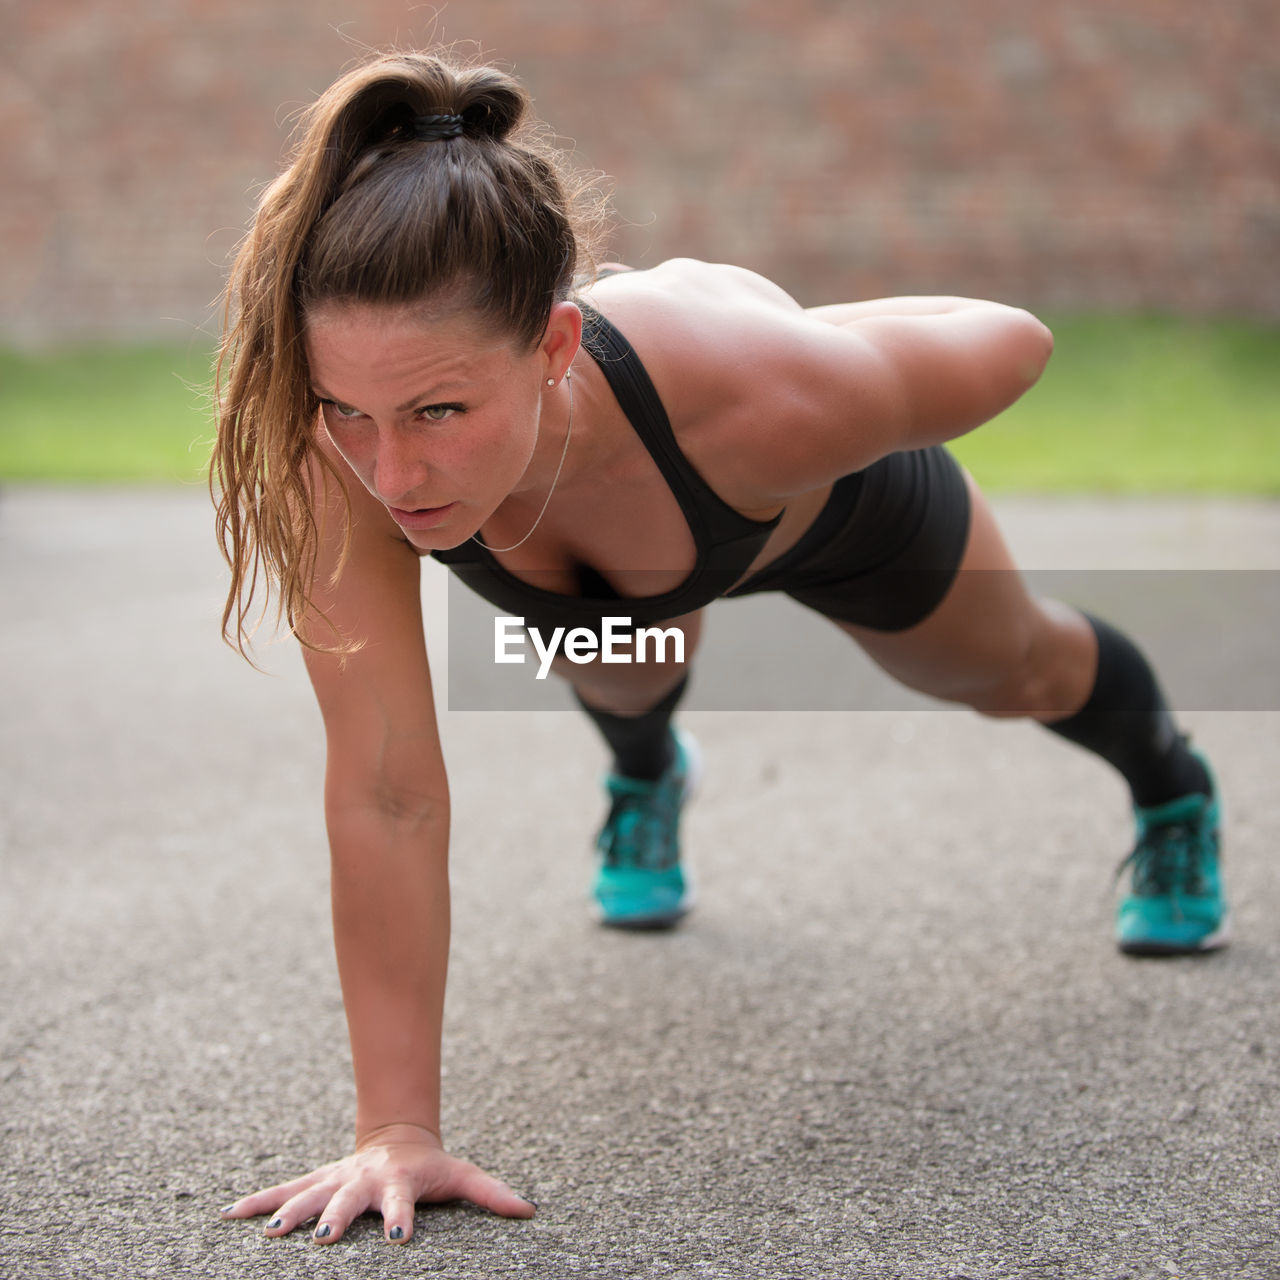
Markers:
<point>564,453</point>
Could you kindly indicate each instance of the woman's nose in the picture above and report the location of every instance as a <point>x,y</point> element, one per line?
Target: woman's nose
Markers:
<point>399,469</point>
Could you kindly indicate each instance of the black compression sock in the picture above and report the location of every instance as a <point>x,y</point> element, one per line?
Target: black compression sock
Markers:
<point>642,745</point>
<point>1127,722</point>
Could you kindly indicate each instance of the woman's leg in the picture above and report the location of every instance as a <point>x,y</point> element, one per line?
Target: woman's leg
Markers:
<point>994,646</point>
<point>640,883</point>
<point>632,704</point>
<point>989,643</point>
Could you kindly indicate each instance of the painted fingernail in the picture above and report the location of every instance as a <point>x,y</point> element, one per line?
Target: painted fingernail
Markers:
<point>274,1223</point>
<point>226,1208</point>
<point>396,1233</point>
<point>324,1229</point>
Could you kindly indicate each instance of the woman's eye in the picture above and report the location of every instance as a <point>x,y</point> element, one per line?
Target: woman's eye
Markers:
<point>341,410</point>
<point>430,413</point>
<point>438,412</point>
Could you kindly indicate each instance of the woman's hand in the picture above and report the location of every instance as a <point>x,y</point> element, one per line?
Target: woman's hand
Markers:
<point>392,1169</point>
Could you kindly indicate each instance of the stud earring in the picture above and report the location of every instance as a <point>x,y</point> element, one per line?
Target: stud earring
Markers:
<point>551,382</point>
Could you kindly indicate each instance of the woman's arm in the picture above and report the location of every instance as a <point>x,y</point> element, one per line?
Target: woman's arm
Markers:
<point>843,386</point>
<point>387,811</point>
<point>845,313</point>
<point>387,814</point>
<point>771,400</point>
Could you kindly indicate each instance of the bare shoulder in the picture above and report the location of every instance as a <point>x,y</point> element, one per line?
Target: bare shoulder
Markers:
<point>370,671</point>
<point>365,584</point>
<point>730,354</point>
<point>770,400</point>
<point>685,311</point>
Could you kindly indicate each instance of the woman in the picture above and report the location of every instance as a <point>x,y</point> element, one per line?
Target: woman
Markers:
<point>411,372</point>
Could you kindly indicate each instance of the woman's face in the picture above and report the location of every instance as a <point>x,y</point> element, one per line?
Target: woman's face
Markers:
<point>438,418</point>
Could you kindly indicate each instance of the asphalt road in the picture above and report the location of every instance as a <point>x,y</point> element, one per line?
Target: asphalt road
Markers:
<point>894,1039</point>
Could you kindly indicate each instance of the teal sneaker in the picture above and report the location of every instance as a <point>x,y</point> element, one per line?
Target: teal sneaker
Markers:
<point>1175,903</point>
<point>640,883</point>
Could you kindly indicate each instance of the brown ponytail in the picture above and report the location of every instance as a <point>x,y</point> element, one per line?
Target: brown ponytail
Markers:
<point>377,205</point>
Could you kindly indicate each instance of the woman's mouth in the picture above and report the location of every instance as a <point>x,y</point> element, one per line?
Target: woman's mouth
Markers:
<point>424,518</point>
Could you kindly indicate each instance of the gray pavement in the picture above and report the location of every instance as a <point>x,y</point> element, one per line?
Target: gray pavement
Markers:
<point>893,1041</point>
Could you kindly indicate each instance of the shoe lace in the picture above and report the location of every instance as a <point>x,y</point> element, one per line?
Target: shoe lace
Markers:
<point>638,831</point>
<point>1168,861</point>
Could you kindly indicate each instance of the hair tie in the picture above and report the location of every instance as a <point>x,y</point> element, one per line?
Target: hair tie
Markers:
<point>436,128</point>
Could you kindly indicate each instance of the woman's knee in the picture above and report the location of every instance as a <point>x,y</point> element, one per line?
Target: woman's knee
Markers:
<point>1048,672</point>
<point>657,664</point>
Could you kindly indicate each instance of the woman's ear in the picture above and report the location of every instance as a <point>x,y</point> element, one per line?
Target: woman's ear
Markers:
<point>561,340</point>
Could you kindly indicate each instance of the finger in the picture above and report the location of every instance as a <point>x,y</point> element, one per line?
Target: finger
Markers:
<point>397,1212</point>
<point>270,1199</point>
<point>343,1207</point>
<point>298,1209</point>
<point>486,1191</point>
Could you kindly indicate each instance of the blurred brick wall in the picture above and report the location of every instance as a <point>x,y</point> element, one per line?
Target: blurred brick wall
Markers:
<point>1105,153</point>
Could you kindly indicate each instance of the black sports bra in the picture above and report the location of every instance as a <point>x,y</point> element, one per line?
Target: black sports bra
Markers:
<point>726,542</point>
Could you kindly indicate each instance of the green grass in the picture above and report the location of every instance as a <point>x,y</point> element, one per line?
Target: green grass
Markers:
<point>1142,404</point>
<point>1130,404</point>
<point>137,413</point>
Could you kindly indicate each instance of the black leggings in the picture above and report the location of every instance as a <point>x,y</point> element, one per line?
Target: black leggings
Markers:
<point>886,547</point>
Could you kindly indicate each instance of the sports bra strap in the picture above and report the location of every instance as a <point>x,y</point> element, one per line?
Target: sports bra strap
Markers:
<point>710,518</point>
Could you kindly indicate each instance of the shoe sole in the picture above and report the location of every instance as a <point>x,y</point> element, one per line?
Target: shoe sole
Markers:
<point>693,760</point>
<point>645,924</point>
<point>1214,941</point>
